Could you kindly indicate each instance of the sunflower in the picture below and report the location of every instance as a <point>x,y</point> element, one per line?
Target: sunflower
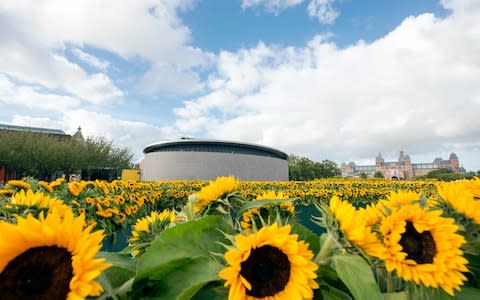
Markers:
<point>288,206</point>
<point>57,182</point>
<point>354,226</point>
<point>463,196</point>
<point>46,186</point>
<point>75,187</point>
<point>7,192</point>
<point>144,225</point>
<point>248,217</point>
<point>147,229</point>
<point>424,247</point>
<point>474,186</point>
<point>90,184</point>
<point>52,257</point>
<point>270,264</point>
<point>213,191</point>
<point>20,183</point>
<point>39,200</point>
<point>372,214</point>
<point>397,199</point>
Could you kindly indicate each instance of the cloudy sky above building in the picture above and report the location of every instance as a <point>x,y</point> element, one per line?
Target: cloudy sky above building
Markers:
<point>327,79</point>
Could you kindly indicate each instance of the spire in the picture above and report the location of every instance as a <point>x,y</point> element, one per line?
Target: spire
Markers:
<point>379,159</point>
<point>78,135</point>
<point>401,158</point>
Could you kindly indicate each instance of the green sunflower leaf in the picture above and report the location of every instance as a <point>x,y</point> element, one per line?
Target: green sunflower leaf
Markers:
<point>357,275</point>
<point>396,296</point>
<point>262,203</point>
<point>114,279</point>
<point>181,283</point>
<point>179,261</point>
<point>118,260</point>
<point>468,293</point>
<point>334,294</point>
<point>212,291</point>
<point>307,215</point>
<point>109,292</point>
<point>305,234</point>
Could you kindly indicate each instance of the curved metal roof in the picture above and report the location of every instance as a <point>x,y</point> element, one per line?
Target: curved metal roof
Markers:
<point>254,148</point>
<point>32,129</point>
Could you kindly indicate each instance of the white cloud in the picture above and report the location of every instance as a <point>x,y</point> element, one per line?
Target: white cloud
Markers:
<point>323,11</point>
<point>26,59</point>
<point>91,60</point>
<point>32,98</point>
<point>320,9</point>
<point>35,33</point>
<point>171,79</point>
<point>42,122</point>
<point>415,89</point>
<point>464,7</point>
<point>177,77</point>
<point>154,30</point>
<point>271,5</point>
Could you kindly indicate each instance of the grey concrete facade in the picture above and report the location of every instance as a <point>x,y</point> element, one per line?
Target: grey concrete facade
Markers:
<point>209,165</point>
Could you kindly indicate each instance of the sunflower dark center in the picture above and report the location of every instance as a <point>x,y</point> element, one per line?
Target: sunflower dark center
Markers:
<point>419,247</point>
<point>39,273</point>
<point>267,269</point>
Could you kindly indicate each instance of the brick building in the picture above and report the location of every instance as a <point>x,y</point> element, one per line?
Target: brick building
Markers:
<point>403,168</point>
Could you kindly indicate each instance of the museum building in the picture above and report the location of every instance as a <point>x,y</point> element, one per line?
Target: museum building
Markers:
<point>401,169</point>
<point>203,159</point>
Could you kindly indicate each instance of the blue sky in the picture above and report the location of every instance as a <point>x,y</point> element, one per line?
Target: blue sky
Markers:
<point>359,20</point>
<point>328,79</point>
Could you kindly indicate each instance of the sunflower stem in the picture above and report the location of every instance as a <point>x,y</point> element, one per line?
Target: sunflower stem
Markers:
<point>10,210</point>
<point>390,286</point>
<point>327,247</point>
<point>189,213</point>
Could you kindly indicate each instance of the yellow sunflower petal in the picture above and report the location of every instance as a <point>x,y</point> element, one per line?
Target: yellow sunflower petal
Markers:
<point>288,261</point>
<point>54,233</point>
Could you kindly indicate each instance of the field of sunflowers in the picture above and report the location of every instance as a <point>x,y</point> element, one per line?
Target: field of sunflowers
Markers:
<point>228,239</point>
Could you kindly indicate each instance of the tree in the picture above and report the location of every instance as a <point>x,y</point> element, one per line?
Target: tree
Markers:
<point>108,159</point>
<point>436,173</point>
<point>326,169</point>
<point>447,175</point>
<point>43,156</point>
<point>16,151</point>
<point>302,168</point>
<point>363,175</point>
<point>378,174</point>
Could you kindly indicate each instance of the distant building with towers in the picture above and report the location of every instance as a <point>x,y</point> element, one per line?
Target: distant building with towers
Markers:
<point>403,168</point>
